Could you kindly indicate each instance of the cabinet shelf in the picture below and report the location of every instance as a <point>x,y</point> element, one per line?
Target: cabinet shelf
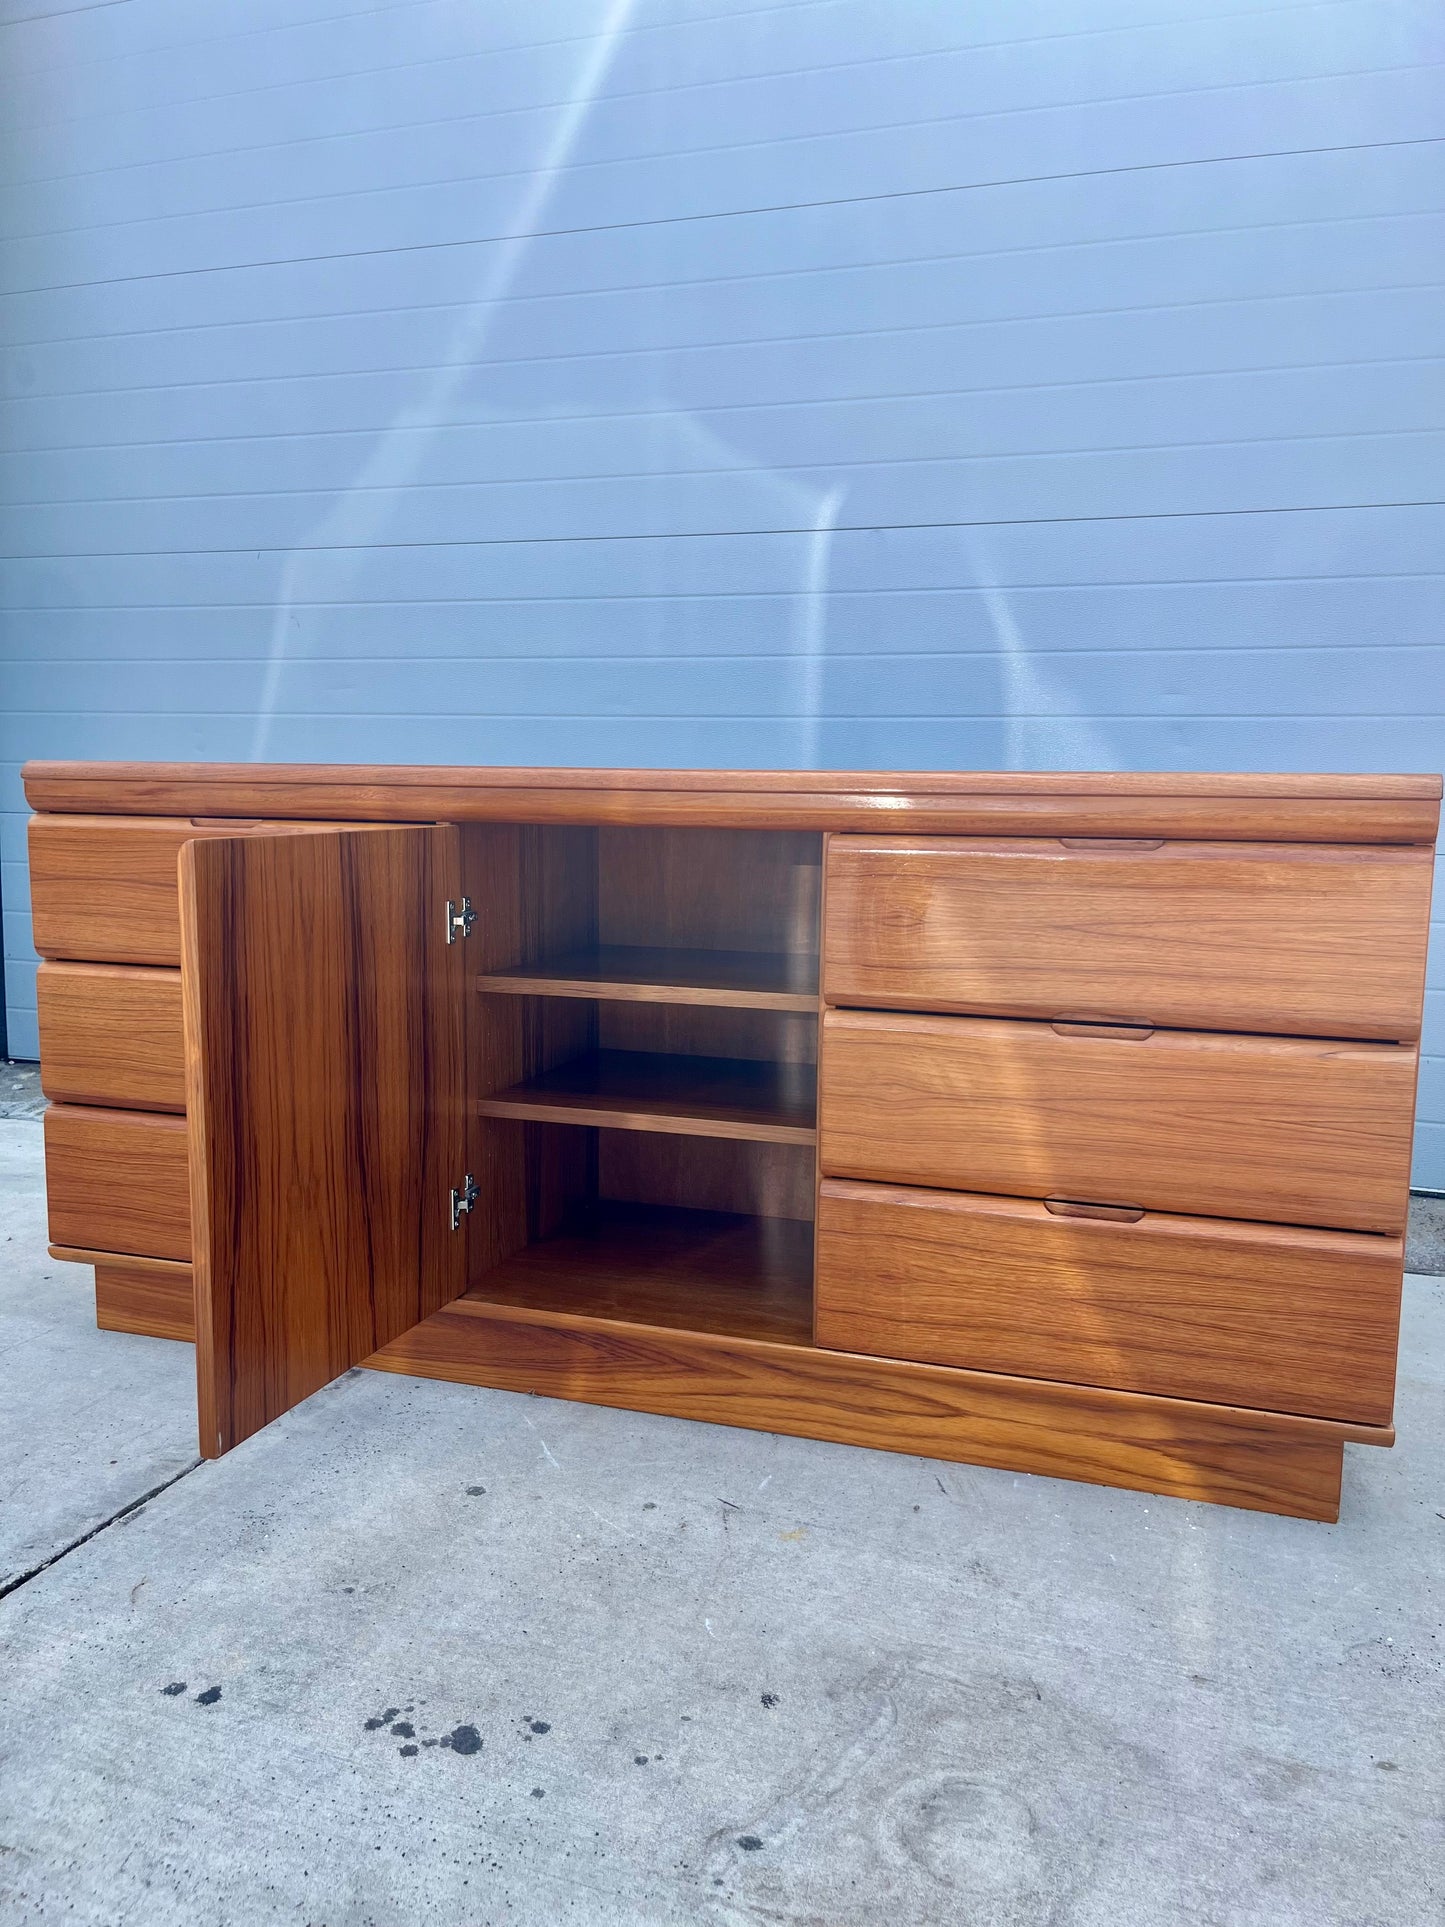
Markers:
<point>633,973</point>
<point>622,1090</point>
<point>629,1264</point>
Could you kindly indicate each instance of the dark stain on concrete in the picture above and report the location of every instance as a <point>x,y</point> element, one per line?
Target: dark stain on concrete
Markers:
<point>462,1739</point>
<point>404,1730</point>
<point>749,1842</point>
<point>769,1699</point>
<point>175,1689</point>
<point>639,1759</point>
<point>209,1697</point>
<point>540,1726</point>
<point>539,1793</point>
<point>476,1491</point>
<point>408,1752</point>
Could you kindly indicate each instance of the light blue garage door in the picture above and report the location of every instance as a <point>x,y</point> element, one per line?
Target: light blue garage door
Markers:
<point>837,382</point>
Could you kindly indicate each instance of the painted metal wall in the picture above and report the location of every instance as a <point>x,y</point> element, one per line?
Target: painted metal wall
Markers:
<point>835,382</point>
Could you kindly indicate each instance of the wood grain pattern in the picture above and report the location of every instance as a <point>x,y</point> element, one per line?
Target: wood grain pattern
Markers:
<point>150,1297</point>
<point>117,1181</point>
<point>325,1063</point>
<point>1285,1129</point>
<point>1285,1319</point>
<point>111,1034</point>
<point>711,890</point>
<point>104,888</point>
<point>708,1271</point>
<point>707,889</point>
<point>1259,1461</point>
<point>635,973</point>
<point>535,893</point>
<point>1305,940</point>
<point>1289,808</point>
<point>650,1091</point>
<point>709,1173</point>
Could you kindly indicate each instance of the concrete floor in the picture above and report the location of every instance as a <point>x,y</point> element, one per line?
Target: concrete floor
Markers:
<point>423,1653</point>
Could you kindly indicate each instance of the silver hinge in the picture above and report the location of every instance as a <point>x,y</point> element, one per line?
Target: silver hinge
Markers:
<point>463,1200</point>
<point>460,918</point>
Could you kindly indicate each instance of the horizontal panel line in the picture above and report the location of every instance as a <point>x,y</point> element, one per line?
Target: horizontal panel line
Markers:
<point>1069,717</point>
<point>705,535</point>
<point>61,13</point>
<point>530,46</point>
<point>670,91</point>
<point>455,423</point>
<point>587,291</point>
<point>733,214</point>
<point>740,342</point>
<point>814,472</point>
<point>580,169</point>
<point>482,659</point>
<point>959,588</point>
<point>214,41</point>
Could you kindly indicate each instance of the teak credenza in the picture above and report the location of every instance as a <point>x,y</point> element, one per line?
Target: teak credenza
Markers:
<point>1086,1153</point>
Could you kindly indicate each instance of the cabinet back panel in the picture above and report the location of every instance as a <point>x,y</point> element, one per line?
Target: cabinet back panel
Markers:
<point>709,889</point>
<point>706,1174</point>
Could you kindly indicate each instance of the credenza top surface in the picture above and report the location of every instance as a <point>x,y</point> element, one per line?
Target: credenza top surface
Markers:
<point>1371,808</point>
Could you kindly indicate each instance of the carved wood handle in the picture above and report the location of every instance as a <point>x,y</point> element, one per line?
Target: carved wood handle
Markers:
<point>1123,1027</point>
<point>1115,1213</point>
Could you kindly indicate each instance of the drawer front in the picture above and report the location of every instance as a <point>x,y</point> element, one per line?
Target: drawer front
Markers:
<point>1266,1316</point>
<point>118,1181</point>
<point>152,1297</point>
<point>106,887</point>
<point>1276,1128</point>
<point>111,1034</point>
<point>1307,941</point>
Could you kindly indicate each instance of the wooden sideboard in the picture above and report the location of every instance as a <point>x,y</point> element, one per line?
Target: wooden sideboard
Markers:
<point>1056,1123</point>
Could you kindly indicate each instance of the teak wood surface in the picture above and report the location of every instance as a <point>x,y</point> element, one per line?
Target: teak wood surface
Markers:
<point>1285,1129</point>
<point>324,1059</point>
<point>652,1091</point>
<point>688,1269</point>
<point>111,1034</point>
<point>1236,1314</point>
<point>104,888</point>
<point>117,1181</point>
<point>1330,809</point>
<point>154,1297</point>
<point>1310,940</point>
<point>1251,1459</point>
<point>641,974</point>
<point>600,1288</point>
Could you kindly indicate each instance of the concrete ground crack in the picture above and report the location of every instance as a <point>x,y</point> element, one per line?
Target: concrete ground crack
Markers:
<point>116,1518</point>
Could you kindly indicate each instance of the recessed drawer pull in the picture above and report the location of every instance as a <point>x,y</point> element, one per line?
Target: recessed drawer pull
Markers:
<point>1112,842</point>
<point>1115,1213</point>
<point>1100,1027</point>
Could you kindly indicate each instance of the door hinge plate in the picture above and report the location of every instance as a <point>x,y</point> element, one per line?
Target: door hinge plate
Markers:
<point>463,1200</point>
<point>460,918</point>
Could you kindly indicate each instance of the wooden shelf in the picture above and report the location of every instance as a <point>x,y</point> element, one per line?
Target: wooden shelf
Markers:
<point>638,1264</point>
<point>630,973</point>
<point>624,1090</point>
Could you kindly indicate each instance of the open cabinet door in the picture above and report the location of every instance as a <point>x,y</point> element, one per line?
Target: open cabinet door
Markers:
<point>324,1048</point>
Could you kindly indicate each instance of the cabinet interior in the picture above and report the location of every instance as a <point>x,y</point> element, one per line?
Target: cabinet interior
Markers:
<point>643,1073</point>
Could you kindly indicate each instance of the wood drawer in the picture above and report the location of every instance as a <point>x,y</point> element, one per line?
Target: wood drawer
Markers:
<point>118,1181</point>
<point>1307,940</point>
<point>1271,1317</point>
<point>1285,1129</point>
<point>106,887</point>
<point>111,1034</point>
